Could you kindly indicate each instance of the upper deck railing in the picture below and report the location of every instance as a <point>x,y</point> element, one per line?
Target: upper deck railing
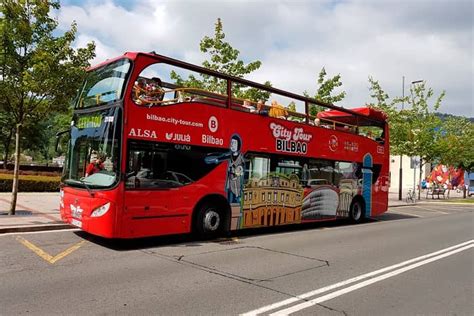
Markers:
<point>231,79</point>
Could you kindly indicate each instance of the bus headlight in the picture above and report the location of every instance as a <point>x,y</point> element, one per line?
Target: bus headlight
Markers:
<point>101,210</point>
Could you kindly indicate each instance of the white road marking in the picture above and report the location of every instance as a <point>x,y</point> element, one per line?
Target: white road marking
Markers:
<point>401,267</point>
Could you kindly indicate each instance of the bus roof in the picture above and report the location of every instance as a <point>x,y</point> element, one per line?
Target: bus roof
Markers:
<point>343,117</point>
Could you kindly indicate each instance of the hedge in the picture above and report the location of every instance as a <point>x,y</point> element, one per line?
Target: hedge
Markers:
<point>30,183</point>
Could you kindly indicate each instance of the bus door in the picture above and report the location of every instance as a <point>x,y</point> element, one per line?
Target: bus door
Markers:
<point>150,193</point>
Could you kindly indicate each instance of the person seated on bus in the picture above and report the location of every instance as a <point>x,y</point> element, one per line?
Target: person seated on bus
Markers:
<point>154,91</point>
<point>261,108</point>
<point>248,106</point>
<point>139,91</point>
<point>278,111</point>
<point>317,122</point>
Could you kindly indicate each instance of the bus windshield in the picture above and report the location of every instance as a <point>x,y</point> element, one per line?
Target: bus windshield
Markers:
<point>92,160</point>
<point>103,85</point>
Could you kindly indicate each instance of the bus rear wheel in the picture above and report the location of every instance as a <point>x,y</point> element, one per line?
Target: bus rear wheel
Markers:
<point>356,212</point>
<point>209,221</point>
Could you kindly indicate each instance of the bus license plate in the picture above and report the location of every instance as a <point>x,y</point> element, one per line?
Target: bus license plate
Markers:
<point>77,223</point>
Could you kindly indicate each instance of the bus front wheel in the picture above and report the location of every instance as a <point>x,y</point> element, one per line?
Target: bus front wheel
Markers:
<point>209,221</point>
<point>356,212</point>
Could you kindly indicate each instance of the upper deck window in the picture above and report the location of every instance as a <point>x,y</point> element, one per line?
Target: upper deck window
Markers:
<point>104,85</point>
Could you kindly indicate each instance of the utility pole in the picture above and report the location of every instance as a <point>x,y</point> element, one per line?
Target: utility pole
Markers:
<point>400,197</point>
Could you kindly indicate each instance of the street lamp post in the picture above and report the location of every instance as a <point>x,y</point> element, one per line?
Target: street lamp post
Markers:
<point>400,197</point>
<point>401,156</point>
<point>417,160</point>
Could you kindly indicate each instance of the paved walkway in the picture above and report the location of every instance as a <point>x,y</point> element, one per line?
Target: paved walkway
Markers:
<point>40,211</point>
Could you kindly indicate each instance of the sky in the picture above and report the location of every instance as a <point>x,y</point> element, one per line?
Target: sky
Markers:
<point>430,40</point>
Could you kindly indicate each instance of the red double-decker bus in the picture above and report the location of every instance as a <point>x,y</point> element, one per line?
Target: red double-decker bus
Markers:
<point>152,154</point>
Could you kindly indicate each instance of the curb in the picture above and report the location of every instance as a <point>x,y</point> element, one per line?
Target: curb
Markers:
<point>429,202</point>
<point>37,228</point>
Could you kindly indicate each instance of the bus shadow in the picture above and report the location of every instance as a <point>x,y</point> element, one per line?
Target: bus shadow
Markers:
<point>190,240</point>
<point>184,240</point>
<point>393,216</point>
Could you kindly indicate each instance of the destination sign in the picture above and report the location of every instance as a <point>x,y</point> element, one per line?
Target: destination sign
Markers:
<point>93,121</point>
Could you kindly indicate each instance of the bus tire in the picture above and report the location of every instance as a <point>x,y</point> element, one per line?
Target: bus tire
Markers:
<point>210,221</point>
<point>357,211</point>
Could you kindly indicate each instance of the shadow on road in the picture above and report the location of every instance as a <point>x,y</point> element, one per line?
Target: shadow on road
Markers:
<point>191,240</point>
<point>393,216</point>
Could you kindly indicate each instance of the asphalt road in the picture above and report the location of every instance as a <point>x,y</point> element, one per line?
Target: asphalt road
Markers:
<point>413,260</point>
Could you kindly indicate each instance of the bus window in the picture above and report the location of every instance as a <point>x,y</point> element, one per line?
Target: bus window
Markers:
<point>160,165</point>
<point>257,167</point>
<point>289,167</point>
<point>321,172</point>
<point>104,85</point>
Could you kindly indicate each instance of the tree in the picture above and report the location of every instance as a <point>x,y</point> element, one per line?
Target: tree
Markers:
<point>456,143</point>
<point>419,126</point>
<point>325,90</point>
<point>389,107</point>
<point>222,58</point>
<point>40,72</point>
<point>415,130</point>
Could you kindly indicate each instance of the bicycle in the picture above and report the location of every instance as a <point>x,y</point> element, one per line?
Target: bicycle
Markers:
<point>410,198</point>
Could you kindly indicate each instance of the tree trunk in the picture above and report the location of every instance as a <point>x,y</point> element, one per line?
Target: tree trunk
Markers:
<point>16,172</point>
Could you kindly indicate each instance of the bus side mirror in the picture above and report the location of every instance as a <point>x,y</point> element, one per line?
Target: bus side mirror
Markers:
<point>59,135</point>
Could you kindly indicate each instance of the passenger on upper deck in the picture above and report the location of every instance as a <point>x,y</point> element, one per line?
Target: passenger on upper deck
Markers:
<point>139,90</point>
<point>154,90</point>
<point>261,108</point>
<point>248,106</point>
<point>277,110</point>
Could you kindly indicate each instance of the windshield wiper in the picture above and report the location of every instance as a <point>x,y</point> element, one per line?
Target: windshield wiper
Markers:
<point>87,187</point>
<point>83,183</point>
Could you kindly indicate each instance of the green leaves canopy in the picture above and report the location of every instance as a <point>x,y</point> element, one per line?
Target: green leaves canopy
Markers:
<point>324,91</point>
<point>456,144</point>
<point>222,58</point>
<point>40,72</point>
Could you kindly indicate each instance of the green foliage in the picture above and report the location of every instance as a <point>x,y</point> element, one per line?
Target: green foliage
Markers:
<point>456,144</point>
<point>415,130</point>
<point>292,106</point>
<point>395,119</point>
<point>325,90</point>
<point>252,93</point>
<point>222,58</point>
<point>40,71</point>
<point>30,183</point>
<point>419,127</point>
<point>7,130</point>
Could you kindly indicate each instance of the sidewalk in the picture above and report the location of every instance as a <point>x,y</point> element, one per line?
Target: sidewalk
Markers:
<point>40,211</point>
<point>34,212</point>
